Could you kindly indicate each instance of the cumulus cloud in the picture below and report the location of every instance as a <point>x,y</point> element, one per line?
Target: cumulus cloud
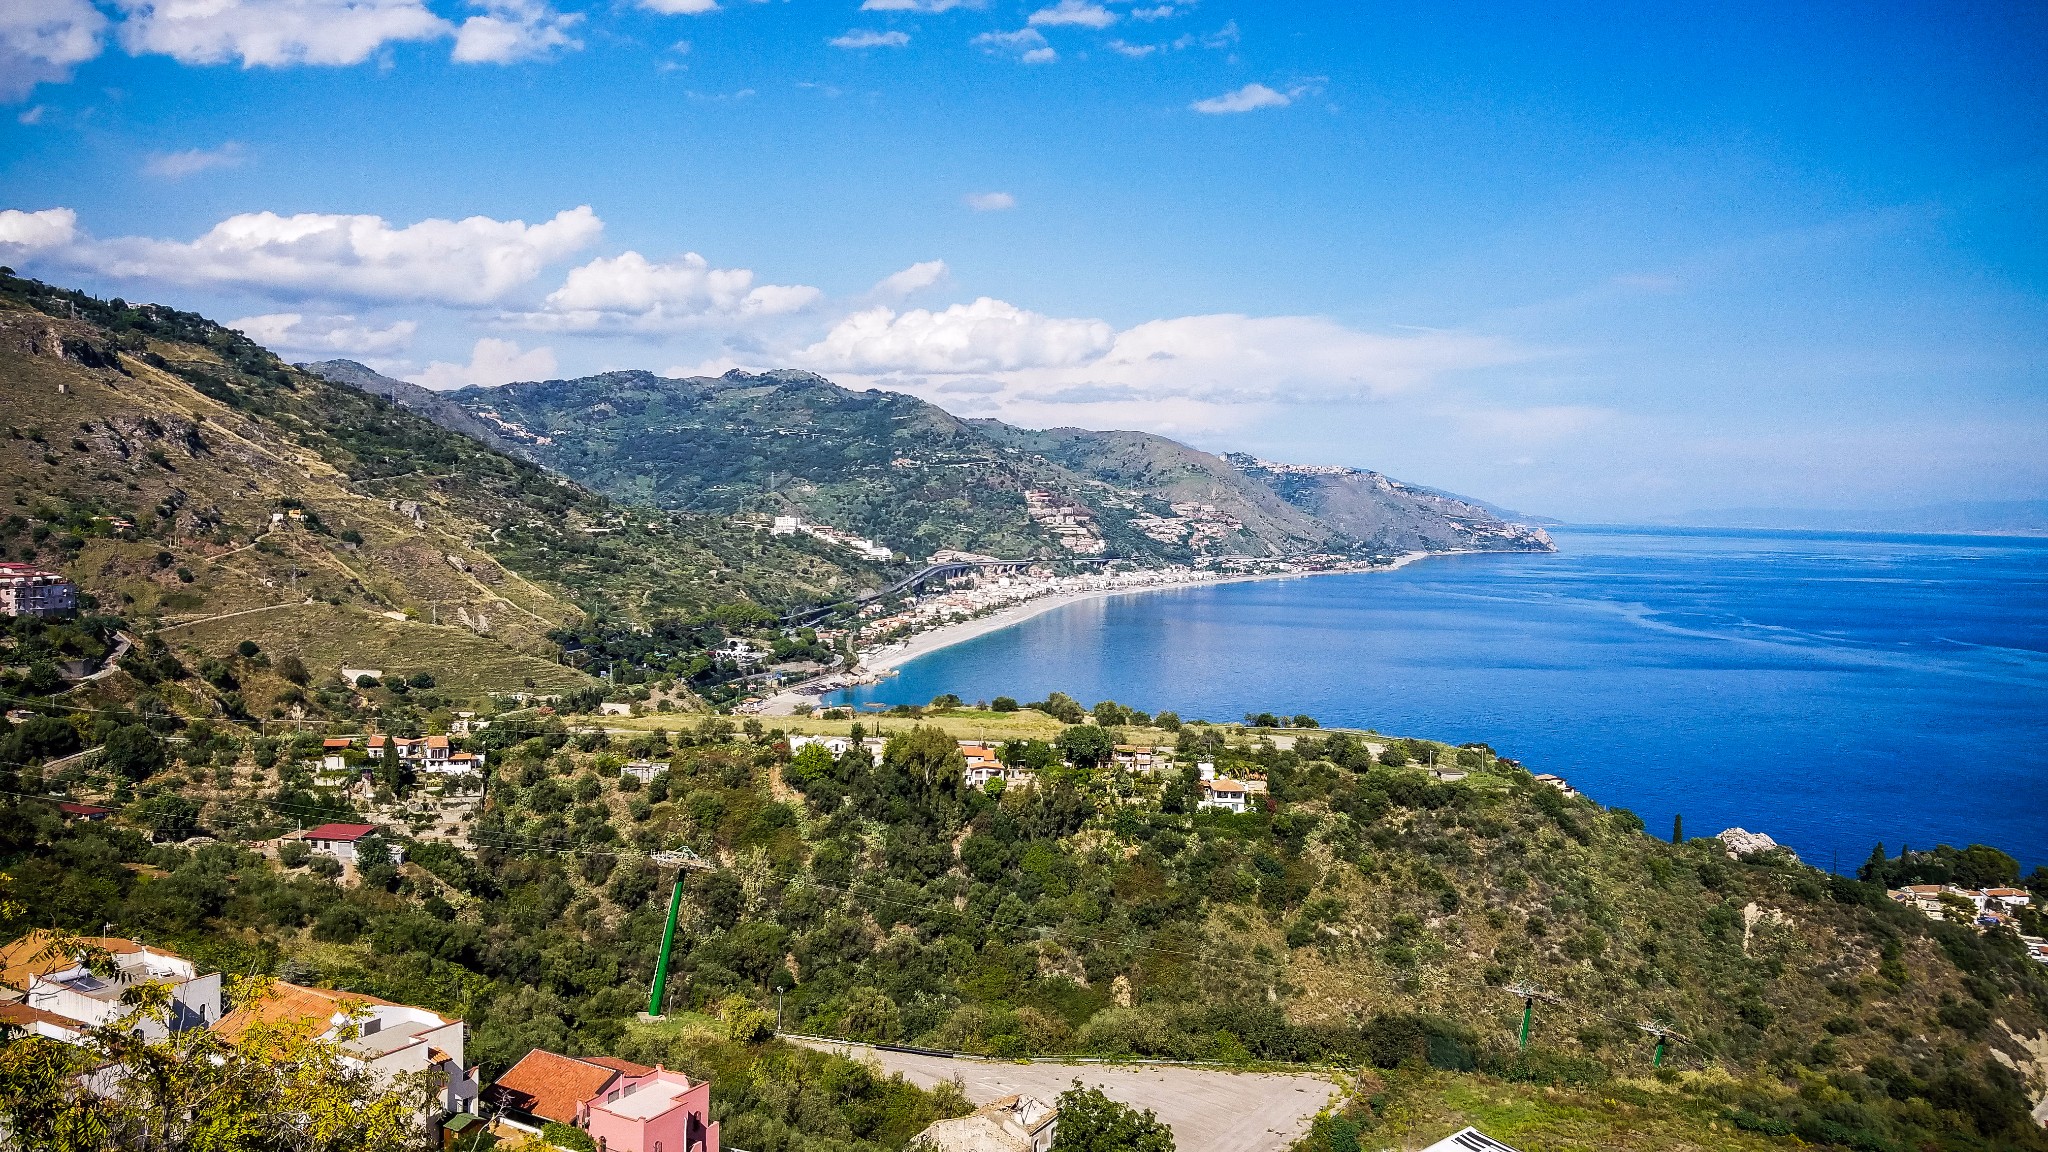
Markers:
<point>41,40</point>
<point>34,233</point>
<point>985,336</point>
<point>680,7</point>
<point>918,5</point>
<point>472,261</point>
<point>1249,98</point>
<point>274,33</point>
<point>1133,50</point>
<point>915,278</point>
<point>1157,12</point>
<point>1083,13</point>
<point>491,363</point>
<point>991,201</point>
<point>1027,44</point>
<point>283,332</point>
<point>510,31</point>
<point>632,291</point>
<point>192,161</point>
<point>869,38</point>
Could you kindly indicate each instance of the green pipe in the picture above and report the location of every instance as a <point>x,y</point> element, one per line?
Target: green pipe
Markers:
<point>668,939</point>
<point>1657,1060</point>
<point>1528,1006</point>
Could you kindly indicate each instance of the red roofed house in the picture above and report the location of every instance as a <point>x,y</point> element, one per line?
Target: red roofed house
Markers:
<point>333,753</point>
<point>73,810</point>
<point>625,1107</point>
<point>339,841</point>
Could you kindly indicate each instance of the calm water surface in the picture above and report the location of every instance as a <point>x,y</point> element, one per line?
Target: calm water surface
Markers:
<point>1832,690</point>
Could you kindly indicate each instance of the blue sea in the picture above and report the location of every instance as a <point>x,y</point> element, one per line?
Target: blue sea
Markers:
<point>1833,690</point>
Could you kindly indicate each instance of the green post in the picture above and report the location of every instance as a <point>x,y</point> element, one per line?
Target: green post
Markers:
<point>1657,1059</point>
<point>1528,1007</point>
<point>668,939</point>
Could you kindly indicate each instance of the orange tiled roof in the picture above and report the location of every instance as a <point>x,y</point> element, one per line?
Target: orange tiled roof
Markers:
<point>290,1003</point>
<point>20,1015</point>
<point>550,1085</point>
<point>19,961</point>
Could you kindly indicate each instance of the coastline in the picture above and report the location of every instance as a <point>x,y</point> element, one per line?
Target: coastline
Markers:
<point>946,635</point>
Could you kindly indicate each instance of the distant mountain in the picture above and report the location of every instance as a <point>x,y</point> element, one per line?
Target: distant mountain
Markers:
<point>918,479</point>
<point>1991,517</point>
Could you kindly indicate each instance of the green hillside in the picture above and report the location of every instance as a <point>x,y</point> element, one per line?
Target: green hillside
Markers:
<point>204,493</point>
<point>909,474</point>
<point>1375,921</point>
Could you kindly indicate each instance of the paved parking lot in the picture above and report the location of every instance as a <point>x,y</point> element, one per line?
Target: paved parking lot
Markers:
<point>1208,1110</point>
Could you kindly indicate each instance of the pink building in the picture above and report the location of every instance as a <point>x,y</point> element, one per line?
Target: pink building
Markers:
<point>660,1111</point>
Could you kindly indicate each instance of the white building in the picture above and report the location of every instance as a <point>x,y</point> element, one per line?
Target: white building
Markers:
<point>391,1039</point>
<point>1222,793</point>
<point>837,745</point>
<point>63,987</point>
<point>340,840</point>
<point>643,770</point>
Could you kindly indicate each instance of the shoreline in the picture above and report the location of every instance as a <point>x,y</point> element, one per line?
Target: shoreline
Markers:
<point>947,635</point>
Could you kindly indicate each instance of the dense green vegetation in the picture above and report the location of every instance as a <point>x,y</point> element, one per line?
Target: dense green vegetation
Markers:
<point>1371,919</point>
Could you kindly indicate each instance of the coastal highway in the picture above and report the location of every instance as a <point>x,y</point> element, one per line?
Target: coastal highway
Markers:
<point>1208,1109</point>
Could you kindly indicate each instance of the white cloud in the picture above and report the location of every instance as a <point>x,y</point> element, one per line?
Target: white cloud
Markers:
<point>42,39</point>
<point>869,38</point>
<point>1189,373</point>
<point>1028,43</point>
<point>1246,99</point>
<point>192,161</point>
<point>328,335</point>
<point>1161,12</point>
<point>680,7</point>
<point>629,290</point>
<point>513,30</point>
<point>1220,39</point>
<point>1083,13</point>
<point>32,116</point>
<point>473,261</point>
<point>491,363</point>
<point>1133,50</point>
<point>915,278</point>
<point>918,5</point>
<point>274,33</point>
<point>33,232</point>
<point>985,336</point>
<point>991,201</point>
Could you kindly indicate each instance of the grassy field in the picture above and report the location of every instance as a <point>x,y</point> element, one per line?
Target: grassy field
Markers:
<point>1620,1116</point>
<point>328,638</point>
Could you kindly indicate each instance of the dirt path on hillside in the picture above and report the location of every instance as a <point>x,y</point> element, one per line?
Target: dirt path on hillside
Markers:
<point>1208,1109</point>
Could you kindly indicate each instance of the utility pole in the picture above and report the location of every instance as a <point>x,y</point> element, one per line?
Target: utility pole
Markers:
<point>1530,994</point>
<point>682,861</point>
<point>1662,1032</point>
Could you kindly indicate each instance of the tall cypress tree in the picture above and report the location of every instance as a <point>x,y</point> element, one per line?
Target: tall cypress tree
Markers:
<point>1678,829</point>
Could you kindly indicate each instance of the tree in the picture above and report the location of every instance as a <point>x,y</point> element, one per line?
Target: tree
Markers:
<point>1086,746</point>
<point>134,752</point>
<point>171,818</point>
<point>1982,866</point>
<point>275,1086</point>
<point>293,669</point>
<point>811,765</point>
<point>1091,1122</point>
<point>1305,721</point>
<point>1678,829</point>
<point>871,1015</point>
<point>1003,704</point>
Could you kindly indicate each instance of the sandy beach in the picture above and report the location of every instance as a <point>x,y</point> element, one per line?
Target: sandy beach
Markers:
<point>946,635</point>
<point>892,656</point>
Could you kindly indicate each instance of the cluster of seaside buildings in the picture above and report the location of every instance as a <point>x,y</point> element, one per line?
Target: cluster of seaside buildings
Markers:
<point>1065,520</point>
<point>1984,908</point>
<point>973,596</point>
<point>47,990</point>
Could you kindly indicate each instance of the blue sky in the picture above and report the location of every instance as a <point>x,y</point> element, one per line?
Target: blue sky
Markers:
<point>1593,263</point>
